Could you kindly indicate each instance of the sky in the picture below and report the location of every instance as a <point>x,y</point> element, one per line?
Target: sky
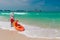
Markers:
<point>44,5</point>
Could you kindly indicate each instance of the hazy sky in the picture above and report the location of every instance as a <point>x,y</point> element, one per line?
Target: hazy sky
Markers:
<point>45,5</point>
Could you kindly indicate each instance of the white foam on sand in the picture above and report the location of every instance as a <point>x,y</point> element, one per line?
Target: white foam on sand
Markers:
<point>6,25</point>
<point>32,31</point>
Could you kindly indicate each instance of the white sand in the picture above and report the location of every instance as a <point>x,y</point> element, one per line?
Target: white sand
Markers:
<point>13,35</point>
<point>32,31</point>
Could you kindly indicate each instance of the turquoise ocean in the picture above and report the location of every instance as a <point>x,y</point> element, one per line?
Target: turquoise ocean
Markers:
<point>40,19</point>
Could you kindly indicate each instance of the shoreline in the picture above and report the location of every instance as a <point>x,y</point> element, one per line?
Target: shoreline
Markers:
<point>2,18</point>
<point>33,32</point>
<point>13,35</point>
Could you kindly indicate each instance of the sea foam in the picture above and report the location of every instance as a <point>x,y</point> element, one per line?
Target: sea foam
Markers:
<point>32,31</point>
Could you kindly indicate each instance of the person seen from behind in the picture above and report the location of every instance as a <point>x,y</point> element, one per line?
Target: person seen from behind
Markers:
<point>12,19</point>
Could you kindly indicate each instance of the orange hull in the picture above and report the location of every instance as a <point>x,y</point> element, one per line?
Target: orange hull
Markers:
<point>18,27</point>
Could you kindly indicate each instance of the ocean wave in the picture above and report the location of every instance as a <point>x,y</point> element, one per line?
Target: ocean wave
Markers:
<point>33,31</point>
<point>5,13</point>
<point>21,13</point>
<point>14,13</point>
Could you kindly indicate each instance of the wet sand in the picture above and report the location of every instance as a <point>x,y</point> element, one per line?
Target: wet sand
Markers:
<point>13,35</point>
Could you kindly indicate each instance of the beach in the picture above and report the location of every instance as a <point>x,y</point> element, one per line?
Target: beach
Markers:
<point>32,32</point>
<point>13,35</point>
<point>29,19</point>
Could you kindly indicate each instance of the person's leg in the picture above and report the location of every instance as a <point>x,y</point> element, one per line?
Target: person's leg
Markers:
<point>11,25</point>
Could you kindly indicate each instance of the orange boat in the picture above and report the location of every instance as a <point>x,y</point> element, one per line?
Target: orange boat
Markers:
<point>18,26</point>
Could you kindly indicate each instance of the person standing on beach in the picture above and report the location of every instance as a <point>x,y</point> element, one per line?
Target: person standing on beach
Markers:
<point>12,18</point>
